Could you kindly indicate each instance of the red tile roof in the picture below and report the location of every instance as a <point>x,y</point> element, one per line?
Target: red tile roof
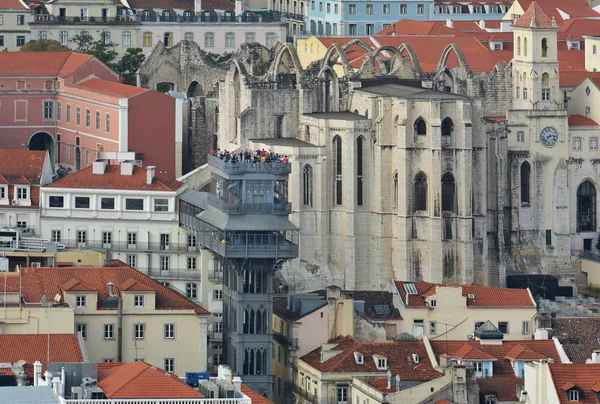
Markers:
<point>580,120</point>
<point>584,376</point>
<point>576,28</point>
<point>485,296</point>
<point>112,179</point>
<point>574,78</point>
<point>111,88</point>
<point>534,17</point>
<point>414,27</point>
<point>504,387</point>
<point>22,166</point>
<point>139,380</point>
<point>11,5</point>
<point>39,281</point>
<point>47,64</point>
<point>574,8</point>
<point>503,382</point>
<point>470,353</point>
<point>399,358</point>
<point>256,398</point>
<point>34,347</point>
<point>76,285</point>
<point>519,352</point>
<point>133,285</point>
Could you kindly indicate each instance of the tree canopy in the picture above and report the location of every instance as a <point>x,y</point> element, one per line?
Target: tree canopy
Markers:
<point>44,45</point>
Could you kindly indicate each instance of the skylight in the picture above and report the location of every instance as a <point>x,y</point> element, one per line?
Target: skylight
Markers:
<point>410,288</point>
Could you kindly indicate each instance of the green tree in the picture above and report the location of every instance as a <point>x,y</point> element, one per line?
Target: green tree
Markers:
<point>44,45</point>
<point>130,64</point>
<point>101,47</point>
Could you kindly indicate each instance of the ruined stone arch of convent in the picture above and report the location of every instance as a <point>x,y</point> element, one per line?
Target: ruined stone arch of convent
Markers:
<point>398,172</point>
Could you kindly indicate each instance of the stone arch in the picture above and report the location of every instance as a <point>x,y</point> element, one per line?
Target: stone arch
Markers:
<point>447,79</point>
<point>397,57</point>
<point>412,55</point>
<point>329,89</point>
<point>194,89</point>
<point>291,51</point>
<point>341,52</point>
<point>360,43</point>
<point>459,54</point>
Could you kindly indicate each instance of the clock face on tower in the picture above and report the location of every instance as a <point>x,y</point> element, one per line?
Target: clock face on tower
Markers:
<point>549,136</point>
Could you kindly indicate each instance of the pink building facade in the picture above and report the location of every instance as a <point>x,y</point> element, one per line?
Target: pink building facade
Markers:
<point>74,106</point>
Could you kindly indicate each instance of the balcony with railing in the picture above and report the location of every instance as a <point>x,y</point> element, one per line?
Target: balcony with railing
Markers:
<point>56,19</point>
<point>302,393</point>
<point>241,208</point>
<point>289,343</point>
<point>140,246</point>
<point>215,276</point>
<point>249,167</point>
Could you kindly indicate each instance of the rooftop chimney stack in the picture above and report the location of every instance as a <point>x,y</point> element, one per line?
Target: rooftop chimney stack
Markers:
<point>389,377</point>
<point>449,23</point>
<point>397,382</point>
<point>127,167</point>
<point>150,170</point>
<point>99,166</point>
<point>111,288</point>
<point>237,384</point>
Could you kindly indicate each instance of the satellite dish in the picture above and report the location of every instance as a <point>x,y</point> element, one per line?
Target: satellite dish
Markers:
<point>57,297</point>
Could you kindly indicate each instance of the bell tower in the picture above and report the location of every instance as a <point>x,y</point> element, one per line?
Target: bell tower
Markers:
<point>535,61</point>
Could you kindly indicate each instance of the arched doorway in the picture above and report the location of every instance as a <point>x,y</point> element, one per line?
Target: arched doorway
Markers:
<point>42,141</point>
<point>194,90</point>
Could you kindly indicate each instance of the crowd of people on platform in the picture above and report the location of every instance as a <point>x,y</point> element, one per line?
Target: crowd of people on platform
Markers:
<point>249,156</point>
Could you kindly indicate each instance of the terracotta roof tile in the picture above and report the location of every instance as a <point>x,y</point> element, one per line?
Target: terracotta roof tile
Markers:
<point>133,285</point>
<point>469,352</point>
<point>504,387</point>
<point>75,284</point>
<point>576,28</point>
<point>485,296</point>
<point>256,398</point>
<point>105,367</point>
<point>553,8</point>
<point>519,352</point>
<point>443,401</point>
<point>534,17</point>
<point>111,88</point>
<point>39,281</point>
<point>580,120</point>
<point>567,376</point>
<point>398,354</point>
<point>48,64</point>
<point>12,5</point>
<point>73,63</point>
<point>414,27</point>
<point>34,347</point>
<point>22,166</point>
<point>112,179</point>
<point>139,380</point>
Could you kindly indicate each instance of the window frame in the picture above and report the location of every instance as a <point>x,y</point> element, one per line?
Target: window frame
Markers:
<point>62,201</point>
<point>127,207</point>
<point>108,331</point>
<point>80,301</point>
<point>83,329</point>
<point>161,204</point>
<point>139,301</point>
<point>139,331</point>
<point>169,331</point>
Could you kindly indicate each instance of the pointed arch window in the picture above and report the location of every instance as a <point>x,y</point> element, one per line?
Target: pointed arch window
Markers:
<point>525,181</point>
<point>545,87</point>
<point>448,193</point>
<point>396,190</point>
<point>586,207</point>
<point>544,47</point>
<point>359,170</point>
<point>518,46</point>
<point>337,154</point>
<point>524,85</point>
<point>420,127</point>
<point>307,182</point>
<point>447,127</point>
<point>518,85</point>
<point>420,192</point>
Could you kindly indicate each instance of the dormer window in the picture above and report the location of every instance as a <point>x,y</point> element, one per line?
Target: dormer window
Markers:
<point>573,395</point>
<point>575,45</point>
<point>81,301</point>
<point>380,362</point>
<point>360,358</point>
<point>22,193</point>
<point>138,301</point>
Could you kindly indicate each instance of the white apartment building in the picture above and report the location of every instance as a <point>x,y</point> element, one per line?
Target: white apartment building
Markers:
<point>133,214</point>
<point>14,24</point>
<point>218,27</point>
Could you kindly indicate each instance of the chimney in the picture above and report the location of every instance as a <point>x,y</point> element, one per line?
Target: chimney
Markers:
<point>127,167</point>
<point>389,377</point>
<point>237,384</point>
<point>238,8</point>
<point>482,24</point>
<point>99,166</point>
<point>150,174</point>
<point>197,6</point>
<point>111,288</point>
<point>596,357</point>
<point>37,372</point>
<point>449,23</point>
<point>397,382</point>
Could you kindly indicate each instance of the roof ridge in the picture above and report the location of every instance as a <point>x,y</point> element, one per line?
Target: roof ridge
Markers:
<point>128,379</point>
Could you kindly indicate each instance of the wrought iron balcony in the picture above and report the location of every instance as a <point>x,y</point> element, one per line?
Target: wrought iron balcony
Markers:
<point>304,394</point>
<point>241,208</point>
<point>248,167</point>
<point>55,19</point>
<point>289,343</point>
<point>138,246</point>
